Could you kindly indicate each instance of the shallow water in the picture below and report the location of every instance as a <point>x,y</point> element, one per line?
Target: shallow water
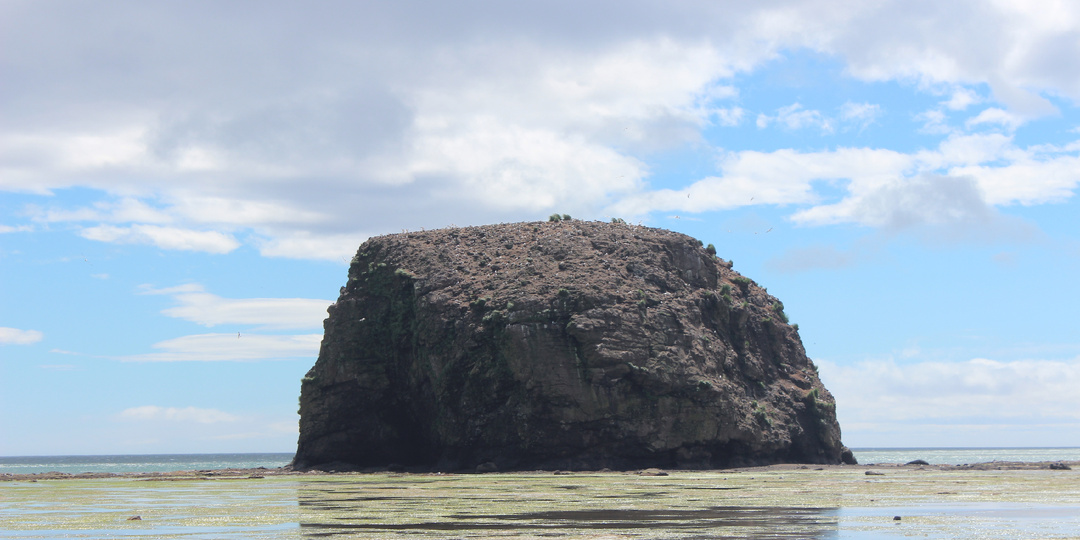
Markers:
<point>961,456</point>
<point>140,463</point>
<point>840,503</point>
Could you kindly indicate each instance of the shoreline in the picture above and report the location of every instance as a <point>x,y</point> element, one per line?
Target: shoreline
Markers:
<point>262,472</point>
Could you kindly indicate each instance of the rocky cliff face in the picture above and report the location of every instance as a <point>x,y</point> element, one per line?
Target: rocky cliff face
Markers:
<point>569,345</point>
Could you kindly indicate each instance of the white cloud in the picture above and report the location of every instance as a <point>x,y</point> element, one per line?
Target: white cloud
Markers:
<point>885,392</point>
<point>482,132</point>
<point>4,229</point>
<point>1030,177</point>
<point>729,117</point>
<point>176,414</point>
<point>795,117</point>
<point>124,210</point>
<point>860,114</point>
<point>994,115</point>
<point>545,137</point>
<point>16,336</point>
<point>74,151</point>
<point>934,122</point>
<point>960,182</point>
<point>200,208</point>
<point>178,289</point>
<point>307,245</point>
<point>163,237</point>
<point>1037,45</point>
<point>231,347</point>
<point>62,351</point>
<point>780,177</point>
<point>961,99</point>
<point>381,116</point>
<point>511,168</point>
<point>198,306</point>
<point>639,80</point>
<point>932,200</point>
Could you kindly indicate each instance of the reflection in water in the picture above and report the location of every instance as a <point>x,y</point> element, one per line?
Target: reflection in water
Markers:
<point>732,522</point>
<point>537,509</point>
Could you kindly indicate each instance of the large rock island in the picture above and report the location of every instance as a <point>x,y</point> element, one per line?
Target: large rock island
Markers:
<point>558,345</point>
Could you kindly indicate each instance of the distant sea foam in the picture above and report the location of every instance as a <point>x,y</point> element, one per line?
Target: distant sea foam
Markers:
<point>140,463</point>
<point>196,462</point>
<point>962,456</point>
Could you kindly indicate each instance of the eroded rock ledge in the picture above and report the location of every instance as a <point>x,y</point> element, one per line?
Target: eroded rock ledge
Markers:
<point>559,345</point>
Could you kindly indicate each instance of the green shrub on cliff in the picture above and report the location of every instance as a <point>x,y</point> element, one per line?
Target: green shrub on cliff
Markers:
<point>494,317</point>
<point>778,307</point>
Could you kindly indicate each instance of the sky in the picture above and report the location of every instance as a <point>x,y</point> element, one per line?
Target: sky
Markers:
<point>183,183</point>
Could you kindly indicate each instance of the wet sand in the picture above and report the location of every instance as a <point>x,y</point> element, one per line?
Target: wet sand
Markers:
<point>989,500</point>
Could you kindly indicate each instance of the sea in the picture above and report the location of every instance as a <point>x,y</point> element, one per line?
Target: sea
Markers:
<point>140,463</point>
<point>198,462</point>
<point>963,456</point>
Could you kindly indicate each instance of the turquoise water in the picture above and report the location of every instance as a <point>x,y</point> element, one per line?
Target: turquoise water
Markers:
<point>189,462</point>
<point>140,463</point>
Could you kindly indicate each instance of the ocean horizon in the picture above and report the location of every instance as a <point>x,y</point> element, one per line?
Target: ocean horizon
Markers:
<point>129,463</point>
<point>141,463</point>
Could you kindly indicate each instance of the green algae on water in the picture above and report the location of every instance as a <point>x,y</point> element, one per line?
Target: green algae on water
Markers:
<point>773,502</point>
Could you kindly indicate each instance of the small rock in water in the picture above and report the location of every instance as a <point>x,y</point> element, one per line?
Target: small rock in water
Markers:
<point>135,518</point>
<point>652,472</point>
<point>896,518</point>
<point>874,473</point>
<point>1060,467</point>
<point>918,462</point>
